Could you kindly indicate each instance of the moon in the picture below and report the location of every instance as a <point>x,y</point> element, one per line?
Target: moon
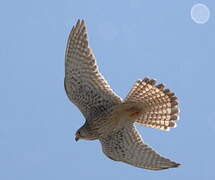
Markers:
<point>200,13</point>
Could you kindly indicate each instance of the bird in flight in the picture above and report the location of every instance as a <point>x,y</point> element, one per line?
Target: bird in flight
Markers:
<point>111,119</point>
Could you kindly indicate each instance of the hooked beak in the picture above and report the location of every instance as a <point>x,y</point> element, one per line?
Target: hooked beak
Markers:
<point>76,138</point>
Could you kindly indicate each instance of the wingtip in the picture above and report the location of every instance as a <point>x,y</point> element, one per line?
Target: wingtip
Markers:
<point>176,165</point>
<point>173,165</point>
<point>79,27</point>
<point>80,21</point>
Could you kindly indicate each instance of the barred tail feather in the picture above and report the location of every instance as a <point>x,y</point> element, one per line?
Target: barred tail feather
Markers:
<point>159,105</point>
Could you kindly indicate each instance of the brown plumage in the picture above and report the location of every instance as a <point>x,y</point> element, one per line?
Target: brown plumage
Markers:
<point>111,119</point>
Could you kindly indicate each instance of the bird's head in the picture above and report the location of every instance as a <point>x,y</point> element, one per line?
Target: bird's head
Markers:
<point>80,134</point>
<point>83,133</point>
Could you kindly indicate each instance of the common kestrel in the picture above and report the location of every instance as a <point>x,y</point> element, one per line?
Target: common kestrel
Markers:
<point>109,118</point>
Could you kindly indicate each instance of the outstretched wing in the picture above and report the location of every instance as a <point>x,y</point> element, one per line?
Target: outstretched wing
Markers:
<point>159,108</point>
<point>84,84</point>
<point>127,146</point>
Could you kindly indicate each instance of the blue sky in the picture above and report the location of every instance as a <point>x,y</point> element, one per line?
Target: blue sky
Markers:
<point>131,39</point>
